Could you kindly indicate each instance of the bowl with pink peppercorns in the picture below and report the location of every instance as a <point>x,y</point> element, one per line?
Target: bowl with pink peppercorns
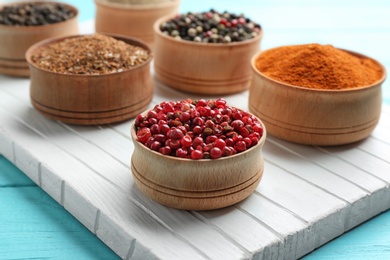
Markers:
<point>197,154</point>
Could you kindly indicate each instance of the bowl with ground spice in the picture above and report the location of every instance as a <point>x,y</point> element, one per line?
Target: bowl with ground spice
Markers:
<point>132,17</point>
<point>23,24</point>
<point>90,79</point>
<point>197,154</point>
<point>316,94</point>
<point>206,53</point>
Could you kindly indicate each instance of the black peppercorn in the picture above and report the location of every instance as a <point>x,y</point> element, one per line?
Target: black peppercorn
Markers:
<point>34,14</point>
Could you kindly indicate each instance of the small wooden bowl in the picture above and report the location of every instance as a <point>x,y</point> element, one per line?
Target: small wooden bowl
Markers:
<point>15,40</point>
<point>196,184</point>
<point>91,99</point>
<point>203,68</point>
<point>315,116</point>
<point>133,20</point>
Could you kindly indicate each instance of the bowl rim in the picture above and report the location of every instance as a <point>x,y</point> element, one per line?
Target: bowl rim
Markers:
<point>30,51</point>
<point>156,27</point>
<point>39,27</point>
<point>287,85</point>
<point>138,7</point>
<point>168,157</point>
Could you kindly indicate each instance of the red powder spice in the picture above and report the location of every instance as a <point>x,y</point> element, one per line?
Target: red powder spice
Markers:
<point>318,66</point>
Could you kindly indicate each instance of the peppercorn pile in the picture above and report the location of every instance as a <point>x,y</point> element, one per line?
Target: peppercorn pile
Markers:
<point>198,129</point>
<point>211,27</point>
<point>92,55</point>
<point>34,14</point>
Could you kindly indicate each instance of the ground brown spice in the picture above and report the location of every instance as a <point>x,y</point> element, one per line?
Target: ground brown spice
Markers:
<point>92,54</point>
<point>318,66</point>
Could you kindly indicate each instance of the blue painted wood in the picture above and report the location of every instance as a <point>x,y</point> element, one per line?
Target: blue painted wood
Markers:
<point>10,176</point>
<point>33,225</point>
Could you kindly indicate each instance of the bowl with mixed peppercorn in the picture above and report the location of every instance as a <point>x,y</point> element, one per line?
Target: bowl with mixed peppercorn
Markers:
<point>26,23</point>
<point>90,79</point>
<point>197,154</point>
<point>206,53</point>
<point>316,94</point>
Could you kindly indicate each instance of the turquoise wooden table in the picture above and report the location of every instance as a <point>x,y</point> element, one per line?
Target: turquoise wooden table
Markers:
<point>33,225</point>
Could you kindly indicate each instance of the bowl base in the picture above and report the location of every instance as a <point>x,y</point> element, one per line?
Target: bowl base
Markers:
<point>92,117</point>
<point>315,136</point>
<point>14,67</point>
<point>196,200</point>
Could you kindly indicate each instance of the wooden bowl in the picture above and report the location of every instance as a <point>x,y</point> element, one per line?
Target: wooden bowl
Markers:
<point>91,99</point>
<point>203,68</point>
<point>315,116</point>
<point>133,20</point>
<point>197,184</point>
<point>15,40</point>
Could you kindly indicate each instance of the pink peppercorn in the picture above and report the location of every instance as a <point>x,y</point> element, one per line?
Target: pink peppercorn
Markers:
<point>203,129</point>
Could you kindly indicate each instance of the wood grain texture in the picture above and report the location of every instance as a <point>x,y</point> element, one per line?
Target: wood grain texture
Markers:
<point>208,69</point>
<point>197,184</point>
<point>15,40</point>
<point>132,20</point>
<point>90,99</point>
<point>315,116</point>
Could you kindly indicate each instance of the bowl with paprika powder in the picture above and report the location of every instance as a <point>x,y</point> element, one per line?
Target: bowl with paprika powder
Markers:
<point>25,23</point>
<point>197,154</point>
<point>206,53</point>
<point>90,79</point>
<point>316,94</point>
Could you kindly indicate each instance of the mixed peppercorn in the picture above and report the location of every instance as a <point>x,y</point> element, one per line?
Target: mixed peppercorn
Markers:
<point>198,129</point>
<point>211,27</point>
<point>34,14</point>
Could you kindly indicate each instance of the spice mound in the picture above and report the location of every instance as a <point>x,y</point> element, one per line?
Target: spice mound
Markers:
<point>211,27</point>
<point>89,55</point>
<point>198,129</point>
<point>318,66</point>
<point>34,14</point>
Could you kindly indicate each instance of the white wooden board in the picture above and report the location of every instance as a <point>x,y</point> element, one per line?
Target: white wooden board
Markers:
<point>308,195</point>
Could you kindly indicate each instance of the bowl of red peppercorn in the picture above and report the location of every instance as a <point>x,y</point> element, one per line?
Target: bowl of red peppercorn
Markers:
<point>90,79</point>
<point>197,155</point>
<point>206,53</point>
<point>316,94</point>
<point>23,24</point>
<point>132,17</point>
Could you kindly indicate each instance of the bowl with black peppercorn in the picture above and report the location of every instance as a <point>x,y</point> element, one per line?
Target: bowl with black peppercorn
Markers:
<point>206,53</point>
<point>316,94</point>
<point>132,17</point>
<point>25,23</point>
<point>197,154</point>
<point>90,79</point>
